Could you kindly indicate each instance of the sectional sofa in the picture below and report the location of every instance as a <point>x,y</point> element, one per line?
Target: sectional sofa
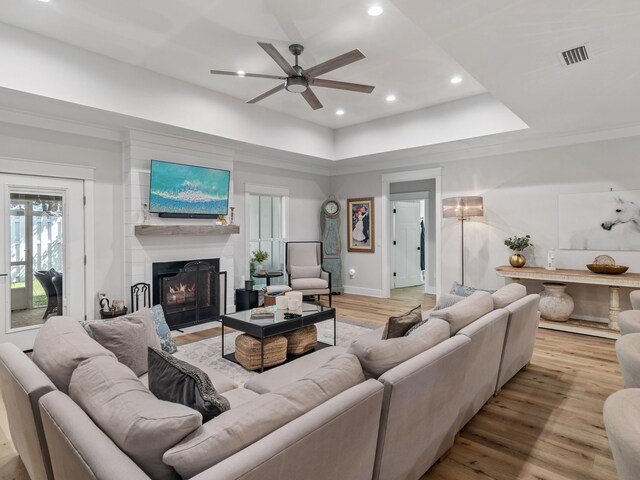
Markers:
<point>374,410</point>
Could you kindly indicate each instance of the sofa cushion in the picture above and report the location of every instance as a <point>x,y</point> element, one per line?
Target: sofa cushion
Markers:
<point>239,427</point>
<point>177,381</point>
<point>399,325</point>
<point>377,355</point>
<point>60,346</point>
<point>126,339</point>
<point>309,283</point>
<point>141,425</point>
<point>508,294</point>
<point>305,272</point>
<point>144,315</point>
<point>466,311</point>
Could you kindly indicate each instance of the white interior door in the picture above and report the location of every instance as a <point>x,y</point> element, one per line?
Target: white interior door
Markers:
<point>41,254</point>
<point>406,248</point>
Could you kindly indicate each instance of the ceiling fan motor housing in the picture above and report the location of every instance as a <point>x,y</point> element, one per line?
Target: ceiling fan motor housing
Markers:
<point>296,84</point>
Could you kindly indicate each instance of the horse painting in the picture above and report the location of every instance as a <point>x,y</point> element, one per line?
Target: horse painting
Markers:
<point>604,221</point>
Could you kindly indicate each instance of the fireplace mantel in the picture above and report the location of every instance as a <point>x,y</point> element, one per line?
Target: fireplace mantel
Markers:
<point>187,230</point>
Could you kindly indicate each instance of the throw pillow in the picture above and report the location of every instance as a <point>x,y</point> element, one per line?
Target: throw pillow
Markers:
<point>127,339</point>
<point>166,341</point>
<point>177,381</point>
<point>397,326</point>
<point>142,426</point>
<point>446,300</point>
<point>153,339</point>
<point>465,290</point>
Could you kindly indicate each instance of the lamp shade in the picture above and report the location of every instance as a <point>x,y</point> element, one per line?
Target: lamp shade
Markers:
<point>462,207</point>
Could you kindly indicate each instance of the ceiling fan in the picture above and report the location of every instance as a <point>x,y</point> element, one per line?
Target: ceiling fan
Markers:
<point>298,80</point>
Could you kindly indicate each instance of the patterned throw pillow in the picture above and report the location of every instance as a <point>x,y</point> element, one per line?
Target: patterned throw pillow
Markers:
<point>465,290</point>
<point>166,341</point>
<point>398,326</point>
<point>174,380</point>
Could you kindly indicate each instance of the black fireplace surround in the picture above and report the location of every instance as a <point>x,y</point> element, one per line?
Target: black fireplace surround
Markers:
<point>188,291</point>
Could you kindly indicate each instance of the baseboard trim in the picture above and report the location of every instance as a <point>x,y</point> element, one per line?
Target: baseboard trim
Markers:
<point>367,292</point>
<point>590,318</point>
<point>431,290</point>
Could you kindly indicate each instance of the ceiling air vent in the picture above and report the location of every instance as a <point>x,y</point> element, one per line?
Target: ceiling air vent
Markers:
<point>575,55</point>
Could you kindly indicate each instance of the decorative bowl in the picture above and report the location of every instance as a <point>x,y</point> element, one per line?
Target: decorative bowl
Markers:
<point>607,269</point>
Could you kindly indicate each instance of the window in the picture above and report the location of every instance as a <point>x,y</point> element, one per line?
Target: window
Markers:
<point>266,233</point>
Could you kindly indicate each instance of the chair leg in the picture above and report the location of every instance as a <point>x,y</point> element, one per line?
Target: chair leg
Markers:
<point>329,299</point>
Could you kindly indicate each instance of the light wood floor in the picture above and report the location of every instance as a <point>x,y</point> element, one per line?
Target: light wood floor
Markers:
<point>546,423</point>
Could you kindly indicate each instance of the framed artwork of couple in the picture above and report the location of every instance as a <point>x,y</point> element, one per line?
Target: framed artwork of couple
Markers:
<point>360,225</point>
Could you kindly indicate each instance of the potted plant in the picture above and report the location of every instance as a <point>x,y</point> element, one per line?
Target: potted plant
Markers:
<point>517,245</point>
<point>259,256</point>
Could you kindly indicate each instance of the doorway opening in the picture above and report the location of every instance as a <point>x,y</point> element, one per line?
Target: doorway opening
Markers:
<point>410,220</point>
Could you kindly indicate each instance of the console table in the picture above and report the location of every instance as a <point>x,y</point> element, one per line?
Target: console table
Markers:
<point>614,282</point>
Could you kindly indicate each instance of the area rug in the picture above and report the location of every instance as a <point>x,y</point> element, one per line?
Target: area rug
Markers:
<point>207,351</point>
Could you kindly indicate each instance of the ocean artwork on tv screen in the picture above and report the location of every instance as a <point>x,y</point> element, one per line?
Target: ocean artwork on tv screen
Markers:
<point>188,190</point>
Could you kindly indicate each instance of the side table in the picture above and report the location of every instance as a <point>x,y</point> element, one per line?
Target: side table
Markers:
<point>246,299</point>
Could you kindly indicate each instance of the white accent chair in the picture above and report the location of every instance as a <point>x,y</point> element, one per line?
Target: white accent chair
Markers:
<point>628,352</point>
<point>304,268</point>
<point>629,322</point>
<point>622,421</point>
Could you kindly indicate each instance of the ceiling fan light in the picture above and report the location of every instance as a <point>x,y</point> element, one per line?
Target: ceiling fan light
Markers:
<point>296,84</point>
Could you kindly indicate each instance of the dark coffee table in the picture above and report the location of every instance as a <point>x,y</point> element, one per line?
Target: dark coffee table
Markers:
<point>263,328</point>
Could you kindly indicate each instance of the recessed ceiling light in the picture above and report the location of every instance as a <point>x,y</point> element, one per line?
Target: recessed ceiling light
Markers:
<point>45,1</point>
<point>375,11</point>
<point>340,112</point>
<point>456,79</point>
<point>240,73</point>
<point>390,98</point>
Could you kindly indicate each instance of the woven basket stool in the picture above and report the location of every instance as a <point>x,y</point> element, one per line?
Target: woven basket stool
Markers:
<point>302,340</point>
<point>248,351</point>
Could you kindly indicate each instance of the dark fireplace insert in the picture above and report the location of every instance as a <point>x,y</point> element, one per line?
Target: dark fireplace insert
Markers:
<point>190,291</point>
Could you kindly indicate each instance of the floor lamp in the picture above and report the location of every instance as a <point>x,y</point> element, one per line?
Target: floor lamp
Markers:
<point>462,208</point>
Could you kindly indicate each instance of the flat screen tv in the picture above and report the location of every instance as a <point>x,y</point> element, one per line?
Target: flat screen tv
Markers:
<point>188,191</point>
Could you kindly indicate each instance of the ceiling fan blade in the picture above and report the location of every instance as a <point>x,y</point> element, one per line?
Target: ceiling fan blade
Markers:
<point>334,63</point>
<point>267,94</point>
<point>279,59</point>
<point>311,99</point>
<point>352,87</point>
<point>253,75</point>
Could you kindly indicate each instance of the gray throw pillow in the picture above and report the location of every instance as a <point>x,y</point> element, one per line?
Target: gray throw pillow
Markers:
<point>397,326</point>
<point>127,339</point>
<point>174,380</point>
<point>446,300</point>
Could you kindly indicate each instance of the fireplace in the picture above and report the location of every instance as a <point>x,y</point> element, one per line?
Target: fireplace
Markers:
<point>190,291</point>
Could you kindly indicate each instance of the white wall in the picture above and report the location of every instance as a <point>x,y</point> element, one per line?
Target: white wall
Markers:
<point>520,193</point>
<point>368,266</point>
<point>106,220</point>
<point>307,192</point>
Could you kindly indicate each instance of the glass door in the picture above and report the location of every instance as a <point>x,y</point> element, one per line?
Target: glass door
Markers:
<point>42,254</point>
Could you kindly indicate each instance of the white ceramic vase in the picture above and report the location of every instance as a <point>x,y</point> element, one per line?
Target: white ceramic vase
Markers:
<point>555,304</point>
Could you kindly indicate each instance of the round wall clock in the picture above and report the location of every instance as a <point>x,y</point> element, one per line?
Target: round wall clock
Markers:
<point>331,208</point>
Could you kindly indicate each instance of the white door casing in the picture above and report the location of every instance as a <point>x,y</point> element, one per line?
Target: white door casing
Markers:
<point>73,235</point>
